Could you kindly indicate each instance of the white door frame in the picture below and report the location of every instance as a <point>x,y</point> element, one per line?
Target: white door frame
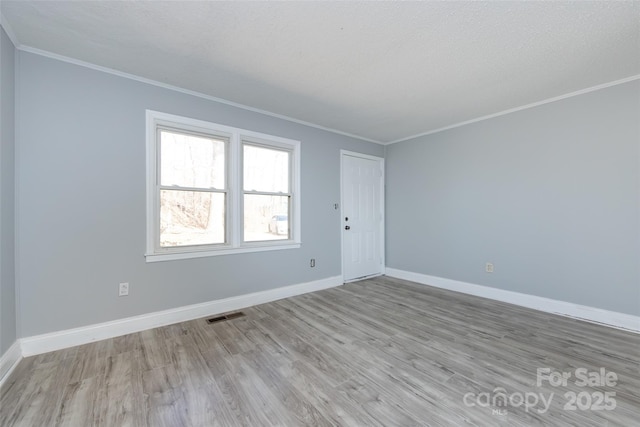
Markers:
<point>380,160</point>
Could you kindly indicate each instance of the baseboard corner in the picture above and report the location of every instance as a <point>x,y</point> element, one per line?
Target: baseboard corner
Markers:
<point>9,360</point>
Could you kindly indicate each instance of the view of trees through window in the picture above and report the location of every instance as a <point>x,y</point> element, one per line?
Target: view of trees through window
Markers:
<point>193,184</point>
<point>194,191</point>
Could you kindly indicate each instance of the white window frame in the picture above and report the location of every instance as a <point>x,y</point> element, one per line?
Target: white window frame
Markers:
<point>234,209</point>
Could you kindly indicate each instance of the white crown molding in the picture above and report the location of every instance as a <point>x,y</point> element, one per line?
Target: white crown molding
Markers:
<point>613,319</point>
<point>89,65</point>
<point>68,338</point>
<point>107,70</point>
<point>9,360</point>
<point>523,107</point>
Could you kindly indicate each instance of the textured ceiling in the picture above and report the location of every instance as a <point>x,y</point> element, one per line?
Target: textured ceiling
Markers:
<point>381,70</point>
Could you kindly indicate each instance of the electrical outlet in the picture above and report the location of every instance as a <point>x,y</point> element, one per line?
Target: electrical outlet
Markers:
<point>123,290</point>
<point>313,262</point>
<point>489,268</point>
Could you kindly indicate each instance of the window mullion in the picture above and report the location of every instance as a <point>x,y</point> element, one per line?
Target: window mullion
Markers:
<point>235,188</point>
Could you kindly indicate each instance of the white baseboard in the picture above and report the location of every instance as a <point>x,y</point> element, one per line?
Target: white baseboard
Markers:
<point>9,360</point>
<point>71,337</point>
<point>568,309</point>
<point>68,338</point>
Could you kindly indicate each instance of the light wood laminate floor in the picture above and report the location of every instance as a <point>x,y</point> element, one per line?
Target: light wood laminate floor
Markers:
<point>380,352</point>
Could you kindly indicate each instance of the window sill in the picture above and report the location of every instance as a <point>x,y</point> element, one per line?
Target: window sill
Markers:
<point>215,252</point>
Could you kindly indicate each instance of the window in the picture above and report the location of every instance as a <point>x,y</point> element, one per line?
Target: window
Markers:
<point>266,195</point>
<point>214,189</point>
<point>192,188</point>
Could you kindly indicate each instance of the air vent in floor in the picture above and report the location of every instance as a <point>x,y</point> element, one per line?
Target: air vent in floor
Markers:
<point>224,317</point>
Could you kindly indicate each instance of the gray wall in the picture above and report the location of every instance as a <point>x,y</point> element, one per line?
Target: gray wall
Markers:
<point>7,192</point>
<point>550,195</point>
<point>81,201</point>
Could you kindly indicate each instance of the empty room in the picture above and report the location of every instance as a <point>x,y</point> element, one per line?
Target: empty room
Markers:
<point>331,213</point>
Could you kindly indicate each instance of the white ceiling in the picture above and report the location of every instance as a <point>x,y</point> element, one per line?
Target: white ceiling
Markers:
<point>383,71</point>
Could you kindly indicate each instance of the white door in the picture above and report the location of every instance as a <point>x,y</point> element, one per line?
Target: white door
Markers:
<point>362,216</point>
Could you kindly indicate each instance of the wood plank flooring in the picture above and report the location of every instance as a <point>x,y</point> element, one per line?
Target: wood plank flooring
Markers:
<point>380,352</point>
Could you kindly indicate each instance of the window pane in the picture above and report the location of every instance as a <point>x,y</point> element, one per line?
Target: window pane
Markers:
<point>191,218</point>
<point>191,161</point>
<point>265,169</point>
<point>266,217</point>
